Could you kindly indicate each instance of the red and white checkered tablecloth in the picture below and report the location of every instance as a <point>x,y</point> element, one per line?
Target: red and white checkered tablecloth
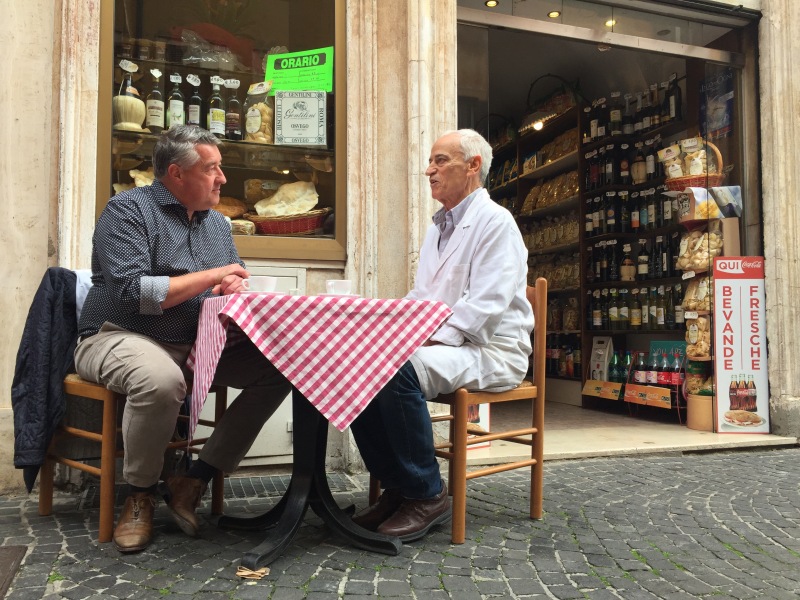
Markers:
<point>338,351</point>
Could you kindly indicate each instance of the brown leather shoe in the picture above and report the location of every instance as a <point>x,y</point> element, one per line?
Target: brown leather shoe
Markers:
<point>415,518</point>
<point>374,515</point>
<point>185,494</point>
<point>135,527</point>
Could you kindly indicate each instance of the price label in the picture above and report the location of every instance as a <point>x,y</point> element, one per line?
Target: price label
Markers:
<point>688,275</point>
<point>193,79</point>
<point>128,66</point>
<point>232,84</point>
<point>175,78</point>
<point>690,314</point>
<point>217,79</point>
<point>155,73</point>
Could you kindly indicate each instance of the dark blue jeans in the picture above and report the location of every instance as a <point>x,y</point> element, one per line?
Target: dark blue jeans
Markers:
<point>395,437</point>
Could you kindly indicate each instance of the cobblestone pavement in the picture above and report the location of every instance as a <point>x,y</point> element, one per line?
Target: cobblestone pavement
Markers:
<point>716,526</point>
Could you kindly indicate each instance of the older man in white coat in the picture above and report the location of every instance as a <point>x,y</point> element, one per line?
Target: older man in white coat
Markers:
<point>473,258</point>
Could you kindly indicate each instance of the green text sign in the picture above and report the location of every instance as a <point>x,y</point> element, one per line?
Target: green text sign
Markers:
<point>297,71</point>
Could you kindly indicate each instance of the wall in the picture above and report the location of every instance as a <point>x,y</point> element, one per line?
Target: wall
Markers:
<point>29,170</point>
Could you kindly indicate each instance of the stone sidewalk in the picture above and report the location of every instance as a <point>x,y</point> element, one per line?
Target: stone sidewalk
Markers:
<point>716,526</point>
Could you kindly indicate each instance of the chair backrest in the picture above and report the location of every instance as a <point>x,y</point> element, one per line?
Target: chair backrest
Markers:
<point>537,296</point>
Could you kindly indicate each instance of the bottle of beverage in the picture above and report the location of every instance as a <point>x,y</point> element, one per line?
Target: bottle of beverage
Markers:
<point>644,299</point>
<point>605,314</point>
<point>603,249</point>
<point>601,160</point>
<point>752,395</point>
<point>661,309</point>
<point>176,110</point>
<point>126,87</point>
<point>624,160</point>
<point>233,111</point>
<point>614,368</point>
<point>615,114</point>
<point>658,249</point>
<point>655,107</point>
<point>678,374</point>
<point>597,311</point>
<point>624,310</point>
<point>588,222</point>
<point>652,304</point>
<point>651,263</point>
<point>669,314</point>
<point>677,298</point>
<point>647,112</point>
<point>195,107</point>
<point>628,117</point>
<point>652,209</point>
<point>635,213</point>
<point>650,160</point>
<point>611,165</point>
<point>638,166</point>
<point>589,310</point>
<point>639,116</point>
<point>675,100</point>
<point>594,121</point>
<point>666,207</point>
<point>628,366</point>
<point>627,269</point>
<point>665,116</point>
<point>215,122</point>
<point>635,311</point>
<point>664,371</point>
<point>652,369</point>
<point>612,212</point>
<point>643,262</point>
<point>155,104</point>
<point>613,260</point>
<point>602,119</point>
<point>587,124</point>
<point>640,369</point>
<point>644,206</point>
<point>596,218</point>
<point>666,260</point>
<point>613,309</point>
<point>733,394</point>
<point>624,211</point>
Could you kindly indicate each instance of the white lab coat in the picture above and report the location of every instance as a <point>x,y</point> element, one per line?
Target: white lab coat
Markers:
<point>482,277</point>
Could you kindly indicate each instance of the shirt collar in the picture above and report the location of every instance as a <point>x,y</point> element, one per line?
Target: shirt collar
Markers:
<point>457,213</point>
<point>165,198</point>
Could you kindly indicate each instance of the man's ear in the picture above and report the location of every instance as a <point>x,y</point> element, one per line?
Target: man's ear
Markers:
<point>475,164</point>
<point>174,171</point>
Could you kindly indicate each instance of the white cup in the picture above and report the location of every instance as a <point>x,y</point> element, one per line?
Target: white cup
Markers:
<point>261,283</point>
<point>339,287</point>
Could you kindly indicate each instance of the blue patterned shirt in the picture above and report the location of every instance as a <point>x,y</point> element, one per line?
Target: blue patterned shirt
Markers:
<point>143,238</point>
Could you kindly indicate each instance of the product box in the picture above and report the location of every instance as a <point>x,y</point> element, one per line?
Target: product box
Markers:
<point>602,351</point>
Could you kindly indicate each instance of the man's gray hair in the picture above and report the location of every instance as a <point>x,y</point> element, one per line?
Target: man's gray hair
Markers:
<point>474,144</point>
<point>177,145</point>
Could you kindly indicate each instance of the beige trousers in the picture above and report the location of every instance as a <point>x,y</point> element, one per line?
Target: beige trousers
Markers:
<point>151,376</point>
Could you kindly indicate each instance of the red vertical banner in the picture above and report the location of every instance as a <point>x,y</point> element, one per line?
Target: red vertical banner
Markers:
<point>740,345</point>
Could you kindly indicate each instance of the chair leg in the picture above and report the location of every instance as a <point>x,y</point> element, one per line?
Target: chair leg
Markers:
<point>458,466</point>
<point>218,483</point>
<point>46,475</point>
<point>374,490</point>
<point>108,469</point>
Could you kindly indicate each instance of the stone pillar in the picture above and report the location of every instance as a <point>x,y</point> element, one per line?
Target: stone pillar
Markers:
<point>779,47</point>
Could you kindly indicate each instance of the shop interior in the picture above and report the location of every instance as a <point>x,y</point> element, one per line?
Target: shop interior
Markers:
<point>507,65</point>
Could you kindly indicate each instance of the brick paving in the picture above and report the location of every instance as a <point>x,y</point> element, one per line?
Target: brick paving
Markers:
<point>718,526</point>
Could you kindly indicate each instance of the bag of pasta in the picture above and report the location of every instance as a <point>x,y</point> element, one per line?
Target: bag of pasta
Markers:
<point>259,115</point>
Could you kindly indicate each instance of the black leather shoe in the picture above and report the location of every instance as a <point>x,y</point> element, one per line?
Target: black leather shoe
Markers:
<point>372,516</point>
<point>415,518</point>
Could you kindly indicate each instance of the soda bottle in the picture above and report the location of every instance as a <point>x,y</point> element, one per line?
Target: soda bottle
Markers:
<point>664,371</point>
<point>640,369</point>
<point>614,366</point>
<point>652,369</point>
<point>678,375</point>
<point>752,394</point>
<point>628,365</point>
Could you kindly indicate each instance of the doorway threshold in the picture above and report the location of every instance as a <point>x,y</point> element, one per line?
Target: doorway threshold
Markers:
<point>573,432</point>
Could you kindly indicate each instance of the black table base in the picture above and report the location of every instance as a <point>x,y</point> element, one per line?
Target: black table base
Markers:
<point>308,487</point>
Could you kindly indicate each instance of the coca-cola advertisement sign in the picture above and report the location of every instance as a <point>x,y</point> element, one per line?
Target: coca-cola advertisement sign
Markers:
<point>740,345</point>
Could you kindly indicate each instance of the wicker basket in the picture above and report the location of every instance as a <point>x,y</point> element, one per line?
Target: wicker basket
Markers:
<point>302,224</point>
<point>706,180</point>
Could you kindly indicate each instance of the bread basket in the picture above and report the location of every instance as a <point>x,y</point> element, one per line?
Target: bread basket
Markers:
<point>302,224</point>
<point>706,180</point>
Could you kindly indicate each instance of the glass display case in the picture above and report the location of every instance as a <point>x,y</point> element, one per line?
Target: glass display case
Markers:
<point>267,78</point>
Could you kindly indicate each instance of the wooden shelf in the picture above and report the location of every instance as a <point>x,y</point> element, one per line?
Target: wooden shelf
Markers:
<point>564,206</point>
<point>554,167</point>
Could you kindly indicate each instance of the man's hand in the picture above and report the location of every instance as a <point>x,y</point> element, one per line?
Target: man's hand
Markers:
<point>230,284</point>
<point>222,280</point>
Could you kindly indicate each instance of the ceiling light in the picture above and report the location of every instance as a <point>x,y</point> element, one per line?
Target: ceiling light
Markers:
<point>554,14</point>
<point>491,3</point>
<point>610,23</point>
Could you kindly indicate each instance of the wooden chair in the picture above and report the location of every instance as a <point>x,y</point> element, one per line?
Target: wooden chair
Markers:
<point>455,449</point>
<point>107,438</point>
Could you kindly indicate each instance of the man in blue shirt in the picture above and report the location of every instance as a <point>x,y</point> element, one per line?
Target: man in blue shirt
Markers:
<point>158,252</point>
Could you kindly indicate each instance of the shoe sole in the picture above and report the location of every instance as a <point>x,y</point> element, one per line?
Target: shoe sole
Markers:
<point>128,549</point>
<point>443,518</point>
<point>186,526</point>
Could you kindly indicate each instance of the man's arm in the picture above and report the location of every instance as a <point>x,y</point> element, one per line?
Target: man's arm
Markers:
<point>222,280</point>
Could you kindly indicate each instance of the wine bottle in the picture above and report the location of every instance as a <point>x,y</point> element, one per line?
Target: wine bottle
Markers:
<point>624,310</point>
<point>635,310</point>
<point>628,117</point>
<point>215,122</point>
<point>643,262</point>
<point>233,111</point>
<point>675,99</point>
<point>155,104</point>
<point>640,369</point>
<point>176,109</point>
<point>615,115</point>
<point>195,108</point>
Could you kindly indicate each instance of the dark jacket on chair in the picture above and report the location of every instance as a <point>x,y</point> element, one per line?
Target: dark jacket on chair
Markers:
<point>44,358</point>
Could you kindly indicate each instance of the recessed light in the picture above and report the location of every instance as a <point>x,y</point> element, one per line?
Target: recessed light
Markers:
<point>610,23</point>
<point>554,14</point>
<point>491,3</point>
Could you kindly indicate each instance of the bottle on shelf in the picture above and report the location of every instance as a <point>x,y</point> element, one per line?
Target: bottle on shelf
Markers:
<point>611,165</point>
<point>658,249</point>
<point>613,309</point>
<point>628,366</point>
<point>604,304</point>
<point>677,298</point>
<point>194,112</point>
<point>651,263</point>
<point>215,121</point>
<point>644,299</point>
<point>602,119</point>
<point>678,374</point>
<point>655,107</point>
<point>669,310</point>
<point>614,368</point>
<point>635,311</point>
<point>613,260</point>
<point>652,304</point>
<point>647,112</point>
<point>661,309</point>
<point>652,209</point>
<point>176,109</point>
<point>615,114</point>
<point>664,111</point>
<point>624,211</point>
<point>154,103</point>
<point>612,212</point>
<point>597,311</point>
<point>627,270</point>
<point>664,377</point>
<point>638,166</point>
<point>603,246</point>
<point>233,111</point>
<point>653,366</point>
<point>639,115</point>
<point>650,160</point>
<point>126,87</point>
<point>665,259</point>
<point>628,117</point>
<point>675,100</point>
<point>644,207</point>
<point>635,214</point>
<point>624,310</point>
<point>597,215</point>
<point>640,369</point>
<point>594,121</point>
<point>666,207</point>
<point>643,262</point>
<point>587,124</point>
<point>588,221</point>
<point>624,158</point>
